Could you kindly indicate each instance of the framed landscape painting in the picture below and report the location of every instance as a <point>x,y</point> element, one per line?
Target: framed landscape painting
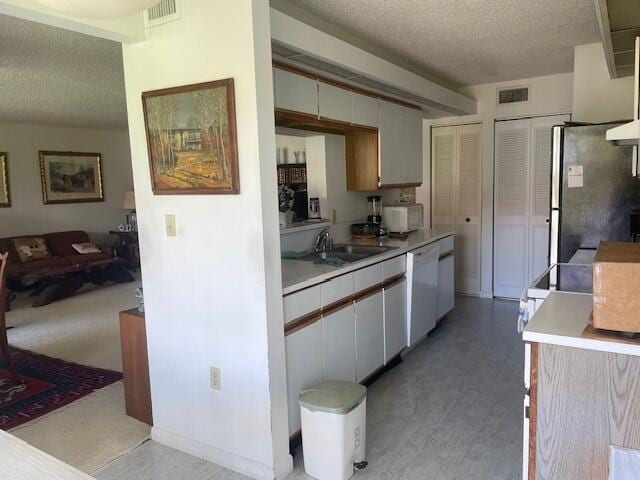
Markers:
<point>191,139</point>
<point>5,194</point>
<point>71,177</point>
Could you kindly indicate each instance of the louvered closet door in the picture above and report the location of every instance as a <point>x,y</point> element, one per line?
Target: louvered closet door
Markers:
<point>540,191</point>
<point>511,208</point>
<point>468,207</point>
<point>443,155</point>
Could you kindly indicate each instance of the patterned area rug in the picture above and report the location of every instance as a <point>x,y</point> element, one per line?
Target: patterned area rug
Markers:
<point>49,384</point>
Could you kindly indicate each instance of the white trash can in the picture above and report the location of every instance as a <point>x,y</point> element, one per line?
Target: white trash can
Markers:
<point>333,429</point>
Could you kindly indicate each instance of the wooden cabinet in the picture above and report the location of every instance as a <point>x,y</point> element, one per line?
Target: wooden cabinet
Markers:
<point>334,103</point>
<point>303,349</point>
<point>339,344</point>
<point>135,365</point>
<point>369,335</point>
<point>395,319</point>
<point>366,110</point>
<point>296,93</point>
<point>400,161</point>
<point>446,285</point>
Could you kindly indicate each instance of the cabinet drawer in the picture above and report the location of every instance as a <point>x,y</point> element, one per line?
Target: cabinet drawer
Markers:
<point>301,303</point>
<point>394,266</point>
<point>445,245</point>
<point>337,289</point>
<point>367,277</point>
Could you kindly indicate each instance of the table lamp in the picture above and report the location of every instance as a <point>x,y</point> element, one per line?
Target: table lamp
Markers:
<point>129,203</point>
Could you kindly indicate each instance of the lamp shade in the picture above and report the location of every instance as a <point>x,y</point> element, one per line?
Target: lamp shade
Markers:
<point>129,202</point>
<point>97,9</point>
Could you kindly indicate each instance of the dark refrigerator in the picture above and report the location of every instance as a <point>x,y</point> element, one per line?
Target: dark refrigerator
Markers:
<point>592,192</point>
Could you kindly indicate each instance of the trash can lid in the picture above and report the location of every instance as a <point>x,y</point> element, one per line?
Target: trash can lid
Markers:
<point>334,396</point>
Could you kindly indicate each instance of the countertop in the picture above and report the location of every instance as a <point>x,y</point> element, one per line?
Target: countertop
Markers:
<point>562,319</point>
<point>21,461</point>
<point>298,274</point>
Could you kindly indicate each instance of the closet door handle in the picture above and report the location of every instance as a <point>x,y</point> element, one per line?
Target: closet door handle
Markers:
<point>467,220</point>
<point>546,220</point>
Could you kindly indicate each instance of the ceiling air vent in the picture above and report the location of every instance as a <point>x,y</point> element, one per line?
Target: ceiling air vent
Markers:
<point>162,12</point>
<point>513,95</point>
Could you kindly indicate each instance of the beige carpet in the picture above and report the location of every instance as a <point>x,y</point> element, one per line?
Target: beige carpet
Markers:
<point>94,430</point>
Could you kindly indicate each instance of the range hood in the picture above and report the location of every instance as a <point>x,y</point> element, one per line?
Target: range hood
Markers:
<point>629,134</point>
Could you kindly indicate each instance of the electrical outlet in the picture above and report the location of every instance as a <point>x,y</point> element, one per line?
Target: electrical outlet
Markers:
<point>216,382</point>
<point>170,225</point>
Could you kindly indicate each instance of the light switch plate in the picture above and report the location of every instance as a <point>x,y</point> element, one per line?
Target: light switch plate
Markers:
<point>170,225</point>
<point>216,382</point>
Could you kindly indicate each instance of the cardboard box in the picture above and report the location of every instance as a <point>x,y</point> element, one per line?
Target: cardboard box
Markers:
<point>616,287</point>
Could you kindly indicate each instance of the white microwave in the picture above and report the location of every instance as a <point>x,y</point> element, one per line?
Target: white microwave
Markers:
<point>403,217</point>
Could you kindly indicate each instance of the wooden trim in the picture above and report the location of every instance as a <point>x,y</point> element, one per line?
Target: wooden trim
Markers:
<point>301,322</point>
<point>367,292</point>
<point>337,83</point>
<point>336,306</point>
<point>4,184</point>
<point>390,282</point>
<point>233,137</point>
<point>305,121</point>
<point>533,410</point>
<point>400,185</point>
<point>445,255</point>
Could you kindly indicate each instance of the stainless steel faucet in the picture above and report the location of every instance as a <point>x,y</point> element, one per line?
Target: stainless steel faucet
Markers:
<point>323,241</point>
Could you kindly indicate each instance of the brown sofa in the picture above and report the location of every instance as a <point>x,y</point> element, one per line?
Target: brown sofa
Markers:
<point>61,274</point>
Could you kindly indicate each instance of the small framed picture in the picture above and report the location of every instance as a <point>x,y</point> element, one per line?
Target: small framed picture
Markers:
<point>5,194</point>
<point>191,139</point>
<point>71,177</point>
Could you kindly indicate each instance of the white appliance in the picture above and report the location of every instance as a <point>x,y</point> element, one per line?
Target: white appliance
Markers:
<point>422,292</point>
<point>403,217</point>
<point>629,133</point>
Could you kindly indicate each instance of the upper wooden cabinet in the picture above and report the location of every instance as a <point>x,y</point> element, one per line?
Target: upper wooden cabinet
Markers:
<point>334,103</point>
<point>366,110</point>
<point>296,93</point>
<point>400,145</point>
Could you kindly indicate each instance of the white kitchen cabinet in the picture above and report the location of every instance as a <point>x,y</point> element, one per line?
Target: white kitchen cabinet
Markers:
<point>299,304</point>
<point>295,92</point>
<point>334,103</point>
<point>369,335</point>
<point>337,289</point>
<point>395,319</point>
<point>367,277</point>
<point>394,266</point>
<point>366,110</point>
<point>400,132</point>
<point>303,350</point>
<point>339,344</point>
<point>446,286</point>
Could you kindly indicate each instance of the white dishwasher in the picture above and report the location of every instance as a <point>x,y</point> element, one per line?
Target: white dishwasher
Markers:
<point>422,292</point>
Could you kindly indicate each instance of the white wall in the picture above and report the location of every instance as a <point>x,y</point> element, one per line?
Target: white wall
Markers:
<point>597,98</point>
<point>28,214</point>
<point>213,292</point>
<point>550,95</point>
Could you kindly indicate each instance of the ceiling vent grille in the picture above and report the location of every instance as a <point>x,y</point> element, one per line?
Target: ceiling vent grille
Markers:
<point>163,12</point>
<point>513,95</point>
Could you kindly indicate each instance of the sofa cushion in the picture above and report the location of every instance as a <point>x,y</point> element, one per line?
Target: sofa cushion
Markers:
<point>78,259</point>
<point>31,249</point>
<point>61,243</point>
<point>19,268</point>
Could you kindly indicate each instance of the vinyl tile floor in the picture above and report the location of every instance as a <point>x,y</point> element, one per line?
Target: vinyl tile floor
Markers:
<point>451,410</point>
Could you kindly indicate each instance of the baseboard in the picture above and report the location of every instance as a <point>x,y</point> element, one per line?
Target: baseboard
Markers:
<point>225,459</point>
<point>488,294</point>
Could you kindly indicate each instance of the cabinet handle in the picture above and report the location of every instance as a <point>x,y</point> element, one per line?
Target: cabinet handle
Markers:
<point>467,220</point>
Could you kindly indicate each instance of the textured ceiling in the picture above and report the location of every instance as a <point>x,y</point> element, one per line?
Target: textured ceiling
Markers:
<point>466,42</point>
<point>53,76</point>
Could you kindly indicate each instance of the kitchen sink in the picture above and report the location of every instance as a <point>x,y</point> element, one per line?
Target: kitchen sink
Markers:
<point>346,253</point>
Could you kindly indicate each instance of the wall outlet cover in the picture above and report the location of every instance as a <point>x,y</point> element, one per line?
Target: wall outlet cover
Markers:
<point>170,225</point>
<point>216,381</point>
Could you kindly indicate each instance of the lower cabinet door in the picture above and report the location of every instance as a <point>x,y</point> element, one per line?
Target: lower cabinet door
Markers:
<point>446,286</point>
<point>369,335</point>
<point>304,367</point>
<point>395,319</point>
<point>339,345</point>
